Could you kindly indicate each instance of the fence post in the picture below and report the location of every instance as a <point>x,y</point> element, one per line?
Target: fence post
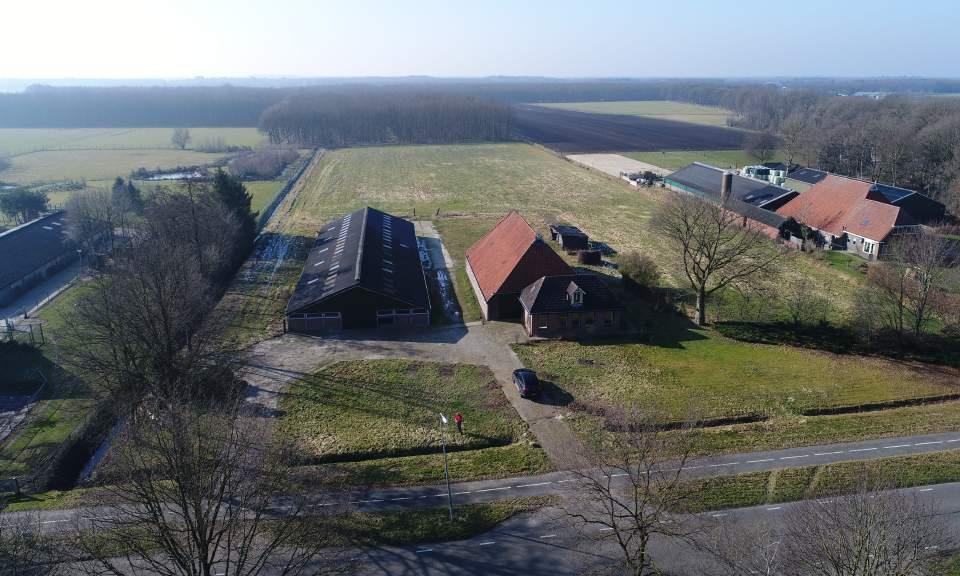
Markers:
<point>43,339</point>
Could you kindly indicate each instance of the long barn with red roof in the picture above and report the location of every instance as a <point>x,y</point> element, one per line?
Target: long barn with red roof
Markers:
<point>505,261</point>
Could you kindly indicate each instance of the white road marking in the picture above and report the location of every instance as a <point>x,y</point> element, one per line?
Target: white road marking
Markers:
<point>896,446</point>
<point>926,490</point>
<point>928,443</point>
<point>467,492</point>
<point>861,450</point>
<point>606,529</point>
<point>366,501</point>
<point>545,536</point>
<point>568,480</point>
<point>618,475</point>
<point>486,543</point>
<point>794,457</point>
<point>403,498</point>
<point>954,440</point>
<point>827,453</point>
<point>756,461</point>
<point>422,550</point>
<point>774,508</point>
<point>720,515</point>
<point>529,485</point>
<point>495,489</point>
<point>55,521</point>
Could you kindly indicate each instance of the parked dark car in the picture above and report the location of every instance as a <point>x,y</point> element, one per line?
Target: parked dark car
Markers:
<point>526,382</point>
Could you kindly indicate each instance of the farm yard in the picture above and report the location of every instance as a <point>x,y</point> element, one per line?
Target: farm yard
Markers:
<point>660,109</point>
<point>569,131</point>
<point>466,189</point>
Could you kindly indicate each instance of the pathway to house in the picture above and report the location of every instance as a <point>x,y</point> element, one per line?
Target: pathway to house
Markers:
<point>271,365</point>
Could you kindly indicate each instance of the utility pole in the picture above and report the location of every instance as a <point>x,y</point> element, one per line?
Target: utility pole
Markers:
<point>446,467</point>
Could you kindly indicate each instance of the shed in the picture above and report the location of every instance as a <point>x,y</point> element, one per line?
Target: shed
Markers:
<point>569,237</point>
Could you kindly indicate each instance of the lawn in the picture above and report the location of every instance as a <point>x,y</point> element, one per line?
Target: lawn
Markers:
<point>367,409</point>
<point>97,164</point>
<point>662,109</point>
<point>683,369</point>
<point>676,159</point>
<point>791,484</point>
<point>23,140</point>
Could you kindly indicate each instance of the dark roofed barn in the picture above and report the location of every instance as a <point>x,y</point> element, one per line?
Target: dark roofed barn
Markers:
<point>569,237</point>
<point>363,271</point>
<point>706,181</point>
<point>29,253</point>
<point>570,306</point>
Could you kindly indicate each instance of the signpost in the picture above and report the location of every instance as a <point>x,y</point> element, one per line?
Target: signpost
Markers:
<point>446,468</point>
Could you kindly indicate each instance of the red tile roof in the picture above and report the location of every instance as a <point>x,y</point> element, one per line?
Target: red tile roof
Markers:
<point>837,205</point>
<point>511,256</point>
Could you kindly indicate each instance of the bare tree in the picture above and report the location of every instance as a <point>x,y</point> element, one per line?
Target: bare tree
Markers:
<point>871,532</point>
<point>717,247</point>
<point>760,145</point>
<point>744,547</point>
<point>180,137</point>
<point>634,490</point>
<point>794,137</point>
<point>92,218</point>
<point>911,280</point>
<point>804,304</point>
<point>24,548</point>
<point>200,489</point>
<point>927,255</point>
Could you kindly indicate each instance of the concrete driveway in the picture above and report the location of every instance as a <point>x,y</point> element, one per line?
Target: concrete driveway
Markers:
<point>270,366</point>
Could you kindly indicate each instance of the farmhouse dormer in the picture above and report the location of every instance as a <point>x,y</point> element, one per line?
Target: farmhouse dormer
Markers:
<point>575,295</point>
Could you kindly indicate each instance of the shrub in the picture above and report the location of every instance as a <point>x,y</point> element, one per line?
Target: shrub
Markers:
<point>639,271</point>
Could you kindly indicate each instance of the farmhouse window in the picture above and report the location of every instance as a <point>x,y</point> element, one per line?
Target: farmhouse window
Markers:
<point>868,247</point>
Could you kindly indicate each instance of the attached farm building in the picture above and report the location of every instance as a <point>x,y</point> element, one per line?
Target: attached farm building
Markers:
<point>505,261</point>
<point>753,199</point>
<point>31,252</point>
<point>570,306</point>
<point>851,214</point>
<point>363,271</point>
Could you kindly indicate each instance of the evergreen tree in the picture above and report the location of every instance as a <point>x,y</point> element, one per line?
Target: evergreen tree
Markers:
<point>235,197</point>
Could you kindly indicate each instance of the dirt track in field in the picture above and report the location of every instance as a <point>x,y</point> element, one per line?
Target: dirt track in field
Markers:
<point>579,132</point>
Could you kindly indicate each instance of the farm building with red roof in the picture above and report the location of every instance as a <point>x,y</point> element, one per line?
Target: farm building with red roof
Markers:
<point>849,213</point>
<point>505,261</point>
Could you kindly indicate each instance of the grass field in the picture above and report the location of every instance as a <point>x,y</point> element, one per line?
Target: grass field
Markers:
<point>364,409</point>
<point>662,109</point>
<point>676,159</point>
<point>97,164</point>
<point>262,192</point>
<point>24,140</point>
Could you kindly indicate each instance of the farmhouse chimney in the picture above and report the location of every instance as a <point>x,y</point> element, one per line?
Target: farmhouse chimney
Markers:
<point>726,186</point>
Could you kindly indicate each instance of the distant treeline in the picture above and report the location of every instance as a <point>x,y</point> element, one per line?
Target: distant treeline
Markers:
<point>314,118</point>
<point>172,106</point>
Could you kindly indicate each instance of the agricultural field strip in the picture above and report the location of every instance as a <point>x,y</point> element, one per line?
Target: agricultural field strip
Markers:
<point>730,466</point>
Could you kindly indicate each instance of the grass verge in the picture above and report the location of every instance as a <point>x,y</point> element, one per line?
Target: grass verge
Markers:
<point>791,484</point>
<point>425,525</point>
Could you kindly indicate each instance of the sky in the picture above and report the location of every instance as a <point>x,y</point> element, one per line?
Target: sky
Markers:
<point>595,38</point>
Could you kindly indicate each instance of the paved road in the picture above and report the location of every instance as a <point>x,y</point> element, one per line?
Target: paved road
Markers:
<point>543,543</point>
<point>561,482</point>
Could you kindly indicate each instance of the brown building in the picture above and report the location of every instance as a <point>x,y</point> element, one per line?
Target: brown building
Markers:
<point>506,260</point>
<point>570,306</point>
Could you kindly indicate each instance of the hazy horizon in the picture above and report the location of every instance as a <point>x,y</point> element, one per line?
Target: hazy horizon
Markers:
<point>298,39</point>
